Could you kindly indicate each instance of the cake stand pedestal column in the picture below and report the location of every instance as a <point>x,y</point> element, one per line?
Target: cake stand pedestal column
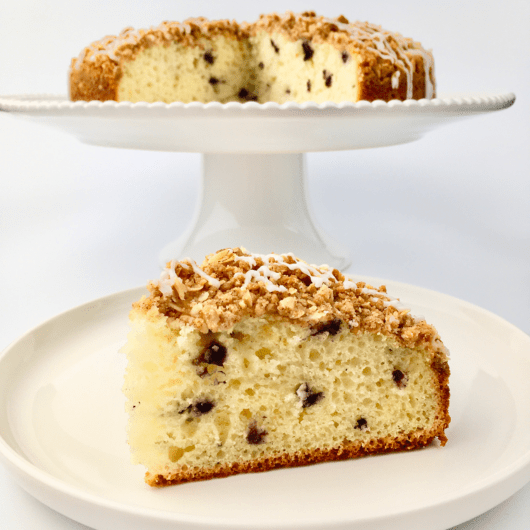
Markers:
<point>258,201</point>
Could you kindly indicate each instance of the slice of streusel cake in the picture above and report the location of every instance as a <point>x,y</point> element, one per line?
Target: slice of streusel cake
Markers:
<point>254,362</point>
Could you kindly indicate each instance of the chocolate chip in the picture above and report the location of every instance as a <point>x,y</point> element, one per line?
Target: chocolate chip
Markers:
<point>246,95</point>
<point>333,27</point>
<point>198,408</point>
<point>308,396</point>
<point>345,57</point>
<point>202,407</point>
<point>261,66</point>
<point>309,85</point>
<point>308,51</point>
<point>208,57</point>
<point>332,327</point>
<point>400,378</point>
<point>362,424</point>
<point>287,91</point>
<point>327,78</point>
<point>276,49</point>
<point>213,81</point>
<point>214,353</point>
<point>343,20</point>
<point>256,435</point>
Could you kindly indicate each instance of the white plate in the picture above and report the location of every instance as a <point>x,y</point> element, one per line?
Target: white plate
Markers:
<point>62,435</point>
<point>251,127</point>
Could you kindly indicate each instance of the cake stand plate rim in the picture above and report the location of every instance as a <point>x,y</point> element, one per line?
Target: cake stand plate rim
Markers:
<point>251,127</point>
<point>52,103</point>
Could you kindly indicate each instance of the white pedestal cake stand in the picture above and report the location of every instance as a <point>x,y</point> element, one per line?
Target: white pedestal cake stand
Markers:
<point>253,191</point>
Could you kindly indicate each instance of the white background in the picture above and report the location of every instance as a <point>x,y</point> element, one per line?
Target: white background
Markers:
<point>450,212</point>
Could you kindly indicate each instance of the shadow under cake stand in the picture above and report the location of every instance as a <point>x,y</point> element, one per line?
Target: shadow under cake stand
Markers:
<point>254,190</point>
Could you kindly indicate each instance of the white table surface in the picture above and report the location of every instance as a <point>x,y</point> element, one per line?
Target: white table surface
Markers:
<point>450,212</point>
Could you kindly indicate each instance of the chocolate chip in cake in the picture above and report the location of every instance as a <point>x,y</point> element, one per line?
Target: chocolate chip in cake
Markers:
<point>333,27</point>
<point>327,78</point>
<point>345,57</point>
<point>276,49</point>
<point>362,424</point>
<point>308,51</point>
<point>255,434</point>
<point>213,353</point>
<point>202,407</point>
<point>400,378</point>
<point>261,66</point>
<point>308,397</point>
<point>208,57</point>
<point>213,81</point>
<point>287,91</point>
<point>332,327</point>
<point>309,85</point>
<point>246,95</point>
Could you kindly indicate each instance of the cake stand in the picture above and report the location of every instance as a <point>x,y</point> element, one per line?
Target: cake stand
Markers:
<point>254,190</point>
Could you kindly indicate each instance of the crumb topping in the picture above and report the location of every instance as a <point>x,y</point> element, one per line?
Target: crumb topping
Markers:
<point>232,284</point>
<point>107,53</point>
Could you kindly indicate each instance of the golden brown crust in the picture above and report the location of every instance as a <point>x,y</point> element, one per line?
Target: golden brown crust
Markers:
<point>345,451</point>
<point>95,74</point>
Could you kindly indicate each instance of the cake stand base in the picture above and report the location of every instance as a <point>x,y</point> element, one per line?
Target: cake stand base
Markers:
<point>256,201</point>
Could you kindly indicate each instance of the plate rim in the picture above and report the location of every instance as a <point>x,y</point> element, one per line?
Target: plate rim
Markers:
<point>24,470</point>
<point>464,102</point>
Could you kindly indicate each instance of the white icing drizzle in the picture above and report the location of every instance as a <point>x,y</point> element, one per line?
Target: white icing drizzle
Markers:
<point>393,302</point>
<point>168,276</point>
<point>167,279</point>
<point>200,272</point>
<point>261,275</point>
<point>377,40</point>
<point>317,275</point>
<point>110,44</point>
<point>349,284</point>
<point>395,79</point>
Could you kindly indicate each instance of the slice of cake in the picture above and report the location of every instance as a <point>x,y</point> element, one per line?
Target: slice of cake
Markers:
<point>254,362</point>
<point>290,57</point>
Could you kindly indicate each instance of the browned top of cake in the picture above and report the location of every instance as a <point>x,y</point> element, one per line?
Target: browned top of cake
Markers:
<point>232,284</point>
<point>130,40</point>
<point>340,31</point>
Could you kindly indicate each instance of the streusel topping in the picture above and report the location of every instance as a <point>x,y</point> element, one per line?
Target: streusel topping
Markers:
<point>232,284</point>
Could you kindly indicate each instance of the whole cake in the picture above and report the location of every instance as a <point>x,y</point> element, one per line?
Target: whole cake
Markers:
<point>254,362</point>
<point>302,57</point>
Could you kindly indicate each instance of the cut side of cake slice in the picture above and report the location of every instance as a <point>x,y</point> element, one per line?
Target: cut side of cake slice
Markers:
<point>255,362</point>
<point>279,58</point>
